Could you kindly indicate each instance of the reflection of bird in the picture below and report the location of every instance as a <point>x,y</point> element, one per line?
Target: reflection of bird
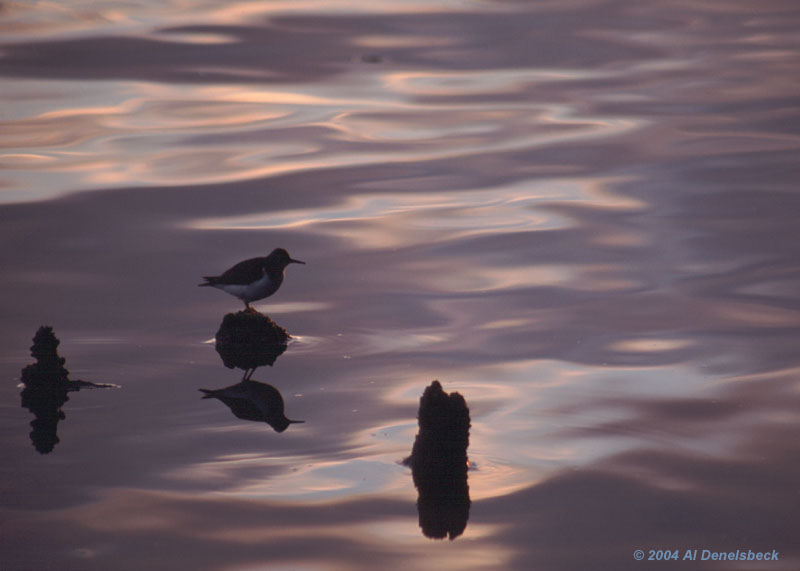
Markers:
<point>251,400</point>
<point>255,278</point>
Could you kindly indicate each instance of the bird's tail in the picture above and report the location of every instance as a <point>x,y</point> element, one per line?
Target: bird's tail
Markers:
<point>207,394</point>
<point>208,282</point>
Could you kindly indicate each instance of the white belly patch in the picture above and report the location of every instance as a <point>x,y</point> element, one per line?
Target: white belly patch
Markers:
<point>253,291</point>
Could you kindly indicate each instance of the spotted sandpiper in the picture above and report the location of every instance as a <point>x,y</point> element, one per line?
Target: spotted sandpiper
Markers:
<point>251,400</point>
<point>255,278</point>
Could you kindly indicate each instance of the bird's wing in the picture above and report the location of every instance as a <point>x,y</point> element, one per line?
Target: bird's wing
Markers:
<point>243,272</point>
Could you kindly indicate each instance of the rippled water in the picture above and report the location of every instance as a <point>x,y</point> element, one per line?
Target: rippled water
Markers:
<point>581,216</point>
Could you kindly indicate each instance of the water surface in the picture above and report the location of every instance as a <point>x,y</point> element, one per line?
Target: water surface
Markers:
<point>581,216</point>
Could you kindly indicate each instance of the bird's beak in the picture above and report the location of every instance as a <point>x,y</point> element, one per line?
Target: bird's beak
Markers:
<point>291,261</point>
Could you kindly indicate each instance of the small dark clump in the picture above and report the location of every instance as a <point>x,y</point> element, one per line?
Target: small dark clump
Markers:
<point>249,339</point>
<point>48,370</point>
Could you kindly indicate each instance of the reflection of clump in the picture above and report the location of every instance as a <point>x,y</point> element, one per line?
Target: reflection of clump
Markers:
<point>439,463</point>
<point>249,339</point>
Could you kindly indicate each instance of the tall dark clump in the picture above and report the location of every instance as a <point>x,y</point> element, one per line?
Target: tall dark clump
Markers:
<point>439,463</point>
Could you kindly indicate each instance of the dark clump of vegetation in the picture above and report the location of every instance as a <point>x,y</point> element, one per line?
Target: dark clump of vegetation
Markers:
<point>46,386</point>
<point>249,339</point>
<point>439,463</point>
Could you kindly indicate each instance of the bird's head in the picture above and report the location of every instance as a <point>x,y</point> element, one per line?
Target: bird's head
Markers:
<point>282,258</point>
<point>282,423</point>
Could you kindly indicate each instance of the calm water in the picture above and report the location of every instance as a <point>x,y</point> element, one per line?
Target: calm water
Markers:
<point>580,215</point>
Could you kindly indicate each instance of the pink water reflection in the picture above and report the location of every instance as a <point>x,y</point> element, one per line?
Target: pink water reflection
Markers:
<point>581,216</point>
